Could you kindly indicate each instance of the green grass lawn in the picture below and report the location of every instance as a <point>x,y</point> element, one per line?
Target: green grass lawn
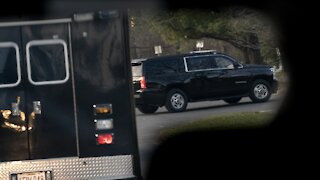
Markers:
<point>229,121</point>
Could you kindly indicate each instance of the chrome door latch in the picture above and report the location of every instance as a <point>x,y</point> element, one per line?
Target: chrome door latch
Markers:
<point>37,107</point>
<point>15,107</point>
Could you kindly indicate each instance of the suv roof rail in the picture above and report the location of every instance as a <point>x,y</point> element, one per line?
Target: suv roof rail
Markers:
<point>203,51</point>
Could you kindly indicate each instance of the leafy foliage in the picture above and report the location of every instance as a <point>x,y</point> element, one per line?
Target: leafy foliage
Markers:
<point>244,28</point>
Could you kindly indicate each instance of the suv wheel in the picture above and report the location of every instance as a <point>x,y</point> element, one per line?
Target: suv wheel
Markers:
<point>232,100</point>
<point>147,109</point>
<point>176,101</point>
<point>260,91</point>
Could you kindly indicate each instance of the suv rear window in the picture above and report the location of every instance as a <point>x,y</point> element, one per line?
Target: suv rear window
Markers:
<point>136,69</point>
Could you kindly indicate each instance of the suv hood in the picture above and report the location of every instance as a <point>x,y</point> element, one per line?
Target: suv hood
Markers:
<point>256,66</point>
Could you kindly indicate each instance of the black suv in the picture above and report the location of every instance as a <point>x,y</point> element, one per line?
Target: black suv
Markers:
<point>173,81</point>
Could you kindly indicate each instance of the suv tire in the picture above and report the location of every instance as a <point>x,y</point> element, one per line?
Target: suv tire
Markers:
<point>232,100</point>
<point>176,101</point>
<point>260,91</point>
<point>147,109</point>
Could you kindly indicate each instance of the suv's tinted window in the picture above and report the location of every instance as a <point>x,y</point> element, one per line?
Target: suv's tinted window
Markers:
<point>164,66</point>
<point>199,63</point>
<point>223,62</point>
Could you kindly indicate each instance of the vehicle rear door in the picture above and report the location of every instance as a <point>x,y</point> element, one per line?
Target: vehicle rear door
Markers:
<point>37,103</point>
<point>13,120</point>
<point>49,101</point>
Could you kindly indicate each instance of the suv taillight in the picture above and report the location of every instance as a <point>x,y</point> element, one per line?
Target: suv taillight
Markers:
<point>143,84</point>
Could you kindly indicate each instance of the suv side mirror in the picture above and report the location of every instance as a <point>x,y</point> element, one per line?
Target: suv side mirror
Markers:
<point>237,65</point>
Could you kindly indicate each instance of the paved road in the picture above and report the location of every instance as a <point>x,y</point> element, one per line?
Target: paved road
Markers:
<point>149,126</point>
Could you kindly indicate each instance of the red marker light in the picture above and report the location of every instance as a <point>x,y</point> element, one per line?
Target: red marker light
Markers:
<point>104,138</point>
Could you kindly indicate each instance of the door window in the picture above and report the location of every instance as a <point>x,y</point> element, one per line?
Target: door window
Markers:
<point>224,63</point>
<point>47,62</point>
<point>199,63</point>
<point>10,72</point>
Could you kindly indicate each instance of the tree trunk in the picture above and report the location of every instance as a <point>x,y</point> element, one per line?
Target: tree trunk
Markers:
<point>255,57</point>
<point>245,52</point>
